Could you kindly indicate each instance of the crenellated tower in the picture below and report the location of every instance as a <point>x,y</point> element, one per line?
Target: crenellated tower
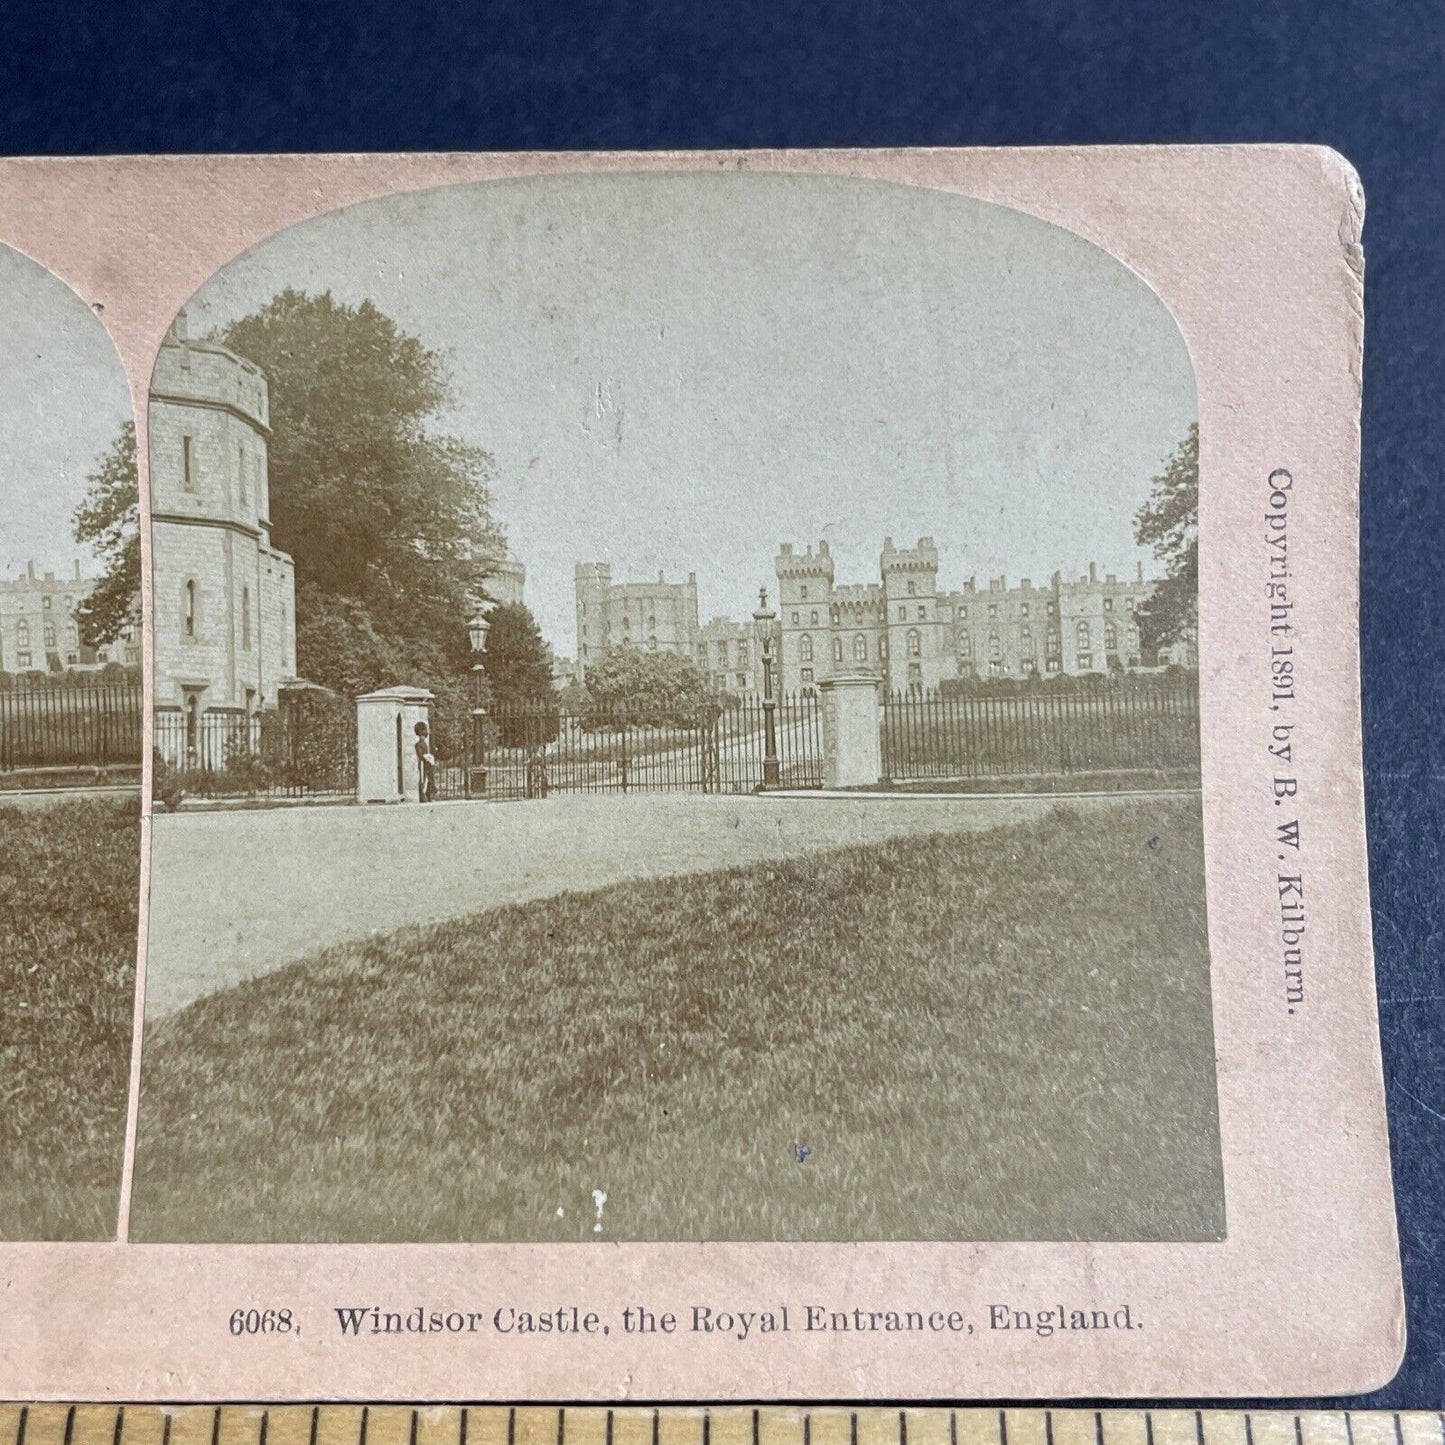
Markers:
<point>805,609</point>
<point>916,654</point>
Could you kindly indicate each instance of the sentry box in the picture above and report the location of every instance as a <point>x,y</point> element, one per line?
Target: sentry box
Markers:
<point>386,764</point>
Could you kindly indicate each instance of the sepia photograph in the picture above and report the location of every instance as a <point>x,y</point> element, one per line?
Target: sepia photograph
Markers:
<point>676,717</point>
<point>70,759</point>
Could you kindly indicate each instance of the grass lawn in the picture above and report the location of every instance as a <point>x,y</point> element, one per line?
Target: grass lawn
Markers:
<point>961,1036</point>
<point>69,879</point>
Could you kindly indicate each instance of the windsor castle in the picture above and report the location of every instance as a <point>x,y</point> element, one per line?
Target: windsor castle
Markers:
<point>900,628</point>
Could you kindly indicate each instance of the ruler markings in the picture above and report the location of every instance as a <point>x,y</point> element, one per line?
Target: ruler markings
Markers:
<point>32,1423</point>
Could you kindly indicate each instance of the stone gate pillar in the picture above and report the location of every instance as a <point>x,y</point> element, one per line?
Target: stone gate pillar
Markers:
<point>852,746</point>
<point>386,770</point>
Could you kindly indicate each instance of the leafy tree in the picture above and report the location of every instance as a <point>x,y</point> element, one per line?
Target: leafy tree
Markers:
<point>653,687</point>
<point>1169,524</point>
<point>575,699</point>
<point>389,522</point>
<point>519,671</point>
<point>108,521</point>
<point>518,666</point>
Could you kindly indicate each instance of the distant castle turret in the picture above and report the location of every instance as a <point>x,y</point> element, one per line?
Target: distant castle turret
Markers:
<point>658,616</point>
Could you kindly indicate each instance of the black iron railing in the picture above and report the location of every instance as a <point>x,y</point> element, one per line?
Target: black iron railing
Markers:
<point>1131,724</point>
<point>291,752</point>
<point>530,750</point>
<point>70,726</point>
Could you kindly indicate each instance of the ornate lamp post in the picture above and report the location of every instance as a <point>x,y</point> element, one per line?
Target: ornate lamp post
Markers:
<point>764,618</point>
<point>477,630</point>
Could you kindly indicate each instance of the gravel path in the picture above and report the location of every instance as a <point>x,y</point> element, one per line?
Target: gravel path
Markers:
<point>237,894</point>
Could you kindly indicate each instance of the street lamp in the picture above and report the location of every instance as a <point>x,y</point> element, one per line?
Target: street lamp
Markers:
<point>477,630</point>
<point>764,618</point>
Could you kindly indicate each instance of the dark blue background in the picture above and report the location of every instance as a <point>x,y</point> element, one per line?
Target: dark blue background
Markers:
<point>1365,78</point>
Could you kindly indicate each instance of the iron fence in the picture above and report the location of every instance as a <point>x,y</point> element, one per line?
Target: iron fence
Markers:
<point>529,750</point>
<point>299,750</point>
<point>71,726</point>
<point>517,751</point>
<point>1134,724</point>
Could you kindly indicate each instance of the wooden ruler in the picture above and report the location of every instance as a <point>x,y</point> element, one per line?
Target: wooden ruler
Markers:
<point>696,1425</point>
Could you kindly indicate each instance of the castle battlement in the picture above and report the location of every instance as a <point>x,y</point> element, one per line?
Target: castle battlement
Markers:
<point>207,374</point>
<point>859,599</point>
<point>809,563</point>
<point>922,558</point>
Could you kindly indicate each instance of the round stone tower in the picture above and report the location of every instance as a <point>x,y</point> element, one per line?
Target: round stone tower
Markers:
<point>224,597</point>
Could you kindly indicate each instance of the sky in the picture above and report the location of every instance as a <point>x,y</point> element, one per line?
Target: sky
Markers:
<point>677,372</point>
<point>63,398</point>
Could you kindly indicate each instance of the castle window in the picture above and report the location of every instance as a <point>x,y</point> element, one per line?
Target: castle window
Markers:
<point>807,674</point>
<point>805,647</point>
<point>795,619</point>
<point>860,648</point>
<point>993,609</point>
<point>245,619</point>
<point>22,633</point>
<point>241,472</point>
<point>1108,604</point>
<point>882,649</point>
<point>837,649</point>
<point>813,617</point>
<point>1086,660</point>
<point>915,643</point>
<point>742,679</point>
<point>1023,609</point>
<point>652,644</point>
<point>965,646</point>
<point>742,654</point>
<point>1026,643</point>
<point>803,593</point>
<point>995,647</point>
<point>1111,638</point>
<point>49,636</point>
<point>1053,608</point>
<point>188,610</point>
<point>1082,639</point>
<point>1052,665</point>
<point>72,635</point>
<point>188,464</point>
<point>22,659</point>
<point>903,614</point>
<point>1053,640</point>
<point>45,603</point>
<point>1133,635</point>
<point>913,589</point>
<point>1128,604</point>
<point>963,613</point>
<point>923,614</point>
